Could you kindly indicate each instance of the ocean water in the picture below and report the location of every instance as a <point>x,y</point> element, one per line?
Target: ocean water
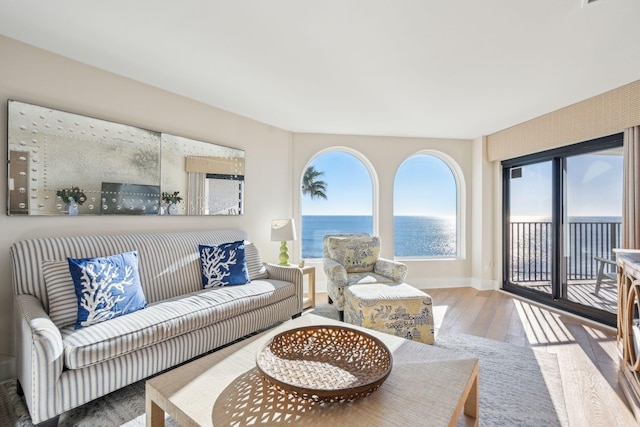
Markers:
<point>414,235</point>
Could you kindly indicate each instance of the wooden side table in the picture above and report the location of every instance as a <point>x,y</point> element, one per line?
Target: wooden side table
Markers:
<point>310,300</point>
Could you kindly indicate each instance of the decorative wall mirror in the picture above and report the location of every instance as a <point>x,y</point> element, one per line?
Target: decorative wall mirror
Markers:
<point>67,164</point>
<point>210,176</point>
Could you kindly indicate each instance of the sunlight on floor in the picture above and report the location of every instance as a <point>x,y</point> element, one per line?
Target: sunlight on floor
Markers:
<point>439,312</point>
<point>604,344</point>
<point>542,326</point>
<point>595,333</point>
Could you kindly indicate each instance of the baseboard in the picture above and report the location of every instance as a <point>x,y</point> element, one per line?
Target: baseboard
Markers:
<point>437,283</point>
<point>485,285</point>
<point>456,282</point>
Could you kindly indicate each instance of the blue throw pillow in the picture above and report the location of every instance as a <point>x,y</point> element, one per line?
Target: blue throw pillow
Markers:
<point>224,264</point>
<point>106,287</point>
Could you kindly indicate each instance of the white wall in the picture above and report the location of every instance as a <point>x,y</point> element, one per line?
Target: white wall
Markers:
<point>483,221</point>
<point>38,77</point>
<point>386,154</point>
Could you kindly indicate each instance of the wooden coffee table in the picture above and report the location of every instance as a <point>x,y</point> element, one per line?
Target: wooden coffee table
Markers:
<point>427,386</point>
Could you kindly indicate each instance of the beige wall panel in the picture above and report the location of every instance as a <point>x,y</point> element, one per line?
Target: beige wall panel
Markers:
<point>216,165</point>
<point>602,115</point>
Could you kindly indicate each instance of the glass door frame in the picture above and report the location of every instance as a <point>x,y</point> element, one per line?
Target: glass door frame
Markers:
<point>558,297</point>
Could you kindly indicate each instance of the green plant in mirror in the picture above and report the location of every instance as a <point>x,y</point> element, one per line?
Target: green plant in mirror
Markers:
<point>72,194</point>
<point>171,198</point>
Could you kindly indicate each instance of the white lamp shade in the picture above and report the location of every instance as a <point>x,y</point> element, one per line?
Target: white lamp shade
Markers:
<point>283,230</point>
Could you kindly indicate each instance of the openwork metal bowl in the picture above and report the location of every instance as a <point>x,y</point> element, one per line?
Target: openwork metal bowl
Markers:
<point>325,363</point>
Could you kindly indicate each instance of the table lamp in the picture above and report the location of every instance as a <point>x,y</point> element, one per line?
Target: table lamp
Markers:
<point>283,230</point>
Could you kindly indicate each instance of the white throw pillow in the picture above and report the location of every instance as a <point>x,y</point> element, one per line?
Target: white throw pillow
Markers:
<point>256,268</point>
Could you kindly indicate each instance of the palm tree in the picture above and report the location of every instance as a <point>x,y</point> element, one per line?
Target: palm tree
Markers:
<point>311,185</point>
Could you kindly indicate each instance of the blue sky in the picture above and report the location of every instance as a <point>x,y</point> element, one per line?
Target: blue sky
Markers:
<point>424,186</point>
<point>348,187</point>
<point>594,187</point>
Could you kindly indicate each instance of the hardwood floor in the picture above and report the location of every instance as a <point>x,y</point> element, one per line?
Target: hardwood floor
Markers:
<point>587,352</point>
<point>583,292</point>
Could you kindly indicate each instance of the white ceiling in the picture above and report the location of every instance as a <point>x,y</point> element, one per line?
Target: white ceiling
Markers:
<point>432,68</point>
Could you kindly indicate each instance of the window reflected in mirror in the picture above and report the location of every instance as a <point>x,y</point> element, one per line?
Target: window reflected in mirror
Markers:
<point>210,176</point>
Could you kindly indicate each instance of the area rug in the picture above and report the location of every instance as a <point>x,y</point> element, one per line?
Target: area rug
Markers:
<point>518,387</point>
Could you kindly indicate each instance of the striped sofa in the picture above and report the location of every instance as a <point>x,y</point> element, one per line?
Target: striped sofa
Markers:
<point>62,368</point>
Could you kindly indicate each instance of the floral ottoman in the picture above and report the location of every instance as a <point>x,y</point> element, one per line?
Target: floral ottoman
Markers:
<point>397,309</point>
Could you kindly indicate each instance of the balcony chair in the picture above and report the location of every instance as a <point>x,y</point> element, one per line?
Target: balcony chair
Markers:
<point>354,259</point>
<point>607,273</point>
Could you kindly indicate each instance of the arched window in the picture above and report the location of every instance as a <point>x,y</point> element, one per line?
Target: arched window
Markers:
<point>337,197</point>
<point>426,204</point>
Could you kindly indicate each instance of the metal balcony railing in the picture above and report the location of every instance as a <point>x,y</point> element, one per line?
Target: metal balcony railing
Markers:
<point>531,249</point>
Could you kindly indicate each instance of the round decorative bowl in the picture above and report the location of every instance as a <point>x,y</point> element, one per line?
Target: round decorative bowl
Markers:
<point>325,363</point>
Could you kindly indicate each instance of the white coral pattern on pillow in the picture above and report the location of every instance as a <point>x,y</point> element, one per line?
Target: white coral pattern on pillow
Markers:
<point>97,291</point>
<point>213,266</point>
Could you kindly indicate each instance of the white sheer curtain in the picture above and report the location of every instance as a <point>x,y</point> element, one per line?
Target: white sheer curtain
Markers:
<point>197,194</point>
<point>631,192</point>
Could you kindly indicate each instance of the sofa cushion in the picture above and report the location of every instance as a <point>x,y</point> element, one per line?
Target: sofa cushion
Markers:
<point>63,305</point>
<point>106,287</point>
<point>357,254</point>
<point>167,319</point>
<point>224,264</point>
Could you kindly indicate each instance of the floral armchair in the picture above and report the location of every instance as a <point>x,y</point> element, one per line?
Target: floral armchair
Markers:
<point>352,259</point>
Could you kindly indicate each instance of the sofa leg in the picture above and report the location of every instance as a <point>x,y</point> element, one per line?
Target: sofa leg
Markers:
<point>329,299</point>
<point>341,315</point>
<point>295,316</point>
<point>51,422</point>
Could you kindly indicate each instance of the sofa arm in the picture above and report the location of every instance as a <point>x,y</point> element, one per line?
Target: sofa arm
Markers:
<point>336,273</point>
<point>38,327</point>
<point>395,270</point>
<point>39,357</point>
<point>287,274</point>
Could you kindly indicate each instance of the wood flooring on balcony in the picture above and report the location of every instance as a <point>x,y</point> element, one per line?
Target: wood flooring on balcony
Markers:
<point>587,352</point>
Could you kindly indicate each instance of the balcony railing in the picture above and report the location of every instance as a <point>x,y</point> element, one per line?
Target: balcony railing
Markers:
<point>531,249</point>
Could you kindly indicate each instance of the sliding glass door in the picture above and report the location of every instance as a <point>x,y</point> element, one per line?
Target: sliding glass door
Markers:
<point>530,232</point>
<point>562,219</point>
<point>594,214</point>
